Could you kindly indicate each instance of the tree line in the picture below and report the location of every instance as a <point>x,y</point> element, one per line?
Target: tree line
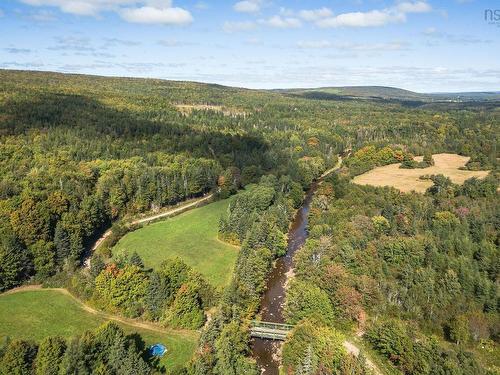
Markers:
<point>106,350</point>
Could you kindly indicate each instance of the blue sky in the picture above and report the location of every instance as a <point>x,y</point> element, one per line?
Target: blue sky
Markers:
<point>426,46</point>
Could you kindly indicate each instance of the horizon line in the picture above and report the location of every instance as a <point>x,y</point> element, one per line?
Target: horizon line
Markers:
<point>299,87</point>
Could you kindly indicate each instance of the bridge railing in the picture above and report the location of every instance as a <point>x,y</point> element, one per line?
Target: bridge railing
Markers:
<point>271,325</point>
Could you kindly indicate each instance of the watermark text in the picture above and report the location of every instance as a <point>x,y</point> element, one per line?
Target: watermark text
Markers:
<point>492,16</point>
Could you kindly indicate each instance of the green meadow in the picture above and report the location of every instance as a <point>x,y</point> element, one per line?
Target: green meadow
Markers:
<point>36,314</point>
<point>191,236</point>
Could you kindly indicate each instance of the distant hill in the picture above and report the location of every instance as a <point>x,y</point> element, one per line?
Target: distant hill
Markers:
<point>388,93</point>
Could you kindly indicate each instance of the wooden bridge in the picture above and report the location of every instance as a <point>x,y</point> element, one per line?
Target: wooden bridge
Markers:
<point>269,330</point>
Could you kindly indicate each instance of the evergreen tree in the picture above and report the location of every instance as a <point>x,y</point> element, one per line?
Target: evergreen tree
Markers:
<point>43,258</point>
<point>306,367</point>
<point>62,243</point>
<point>186,310</point>
<point>230,351</point>
<point>49,356</point>
<point>157,296</point>
<point>428,160</point>
<point>175,272</point>
<point>136,260</point>
<point>15,264</point>
<point>97,264</point>
<point>459,330</point>
<point>18,358</point>
<point>133,363</point>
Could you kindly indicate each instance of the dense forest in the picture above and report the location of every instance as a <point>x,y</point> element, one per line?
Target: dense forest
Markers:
<point>417,273</point>
<point>79,153</point>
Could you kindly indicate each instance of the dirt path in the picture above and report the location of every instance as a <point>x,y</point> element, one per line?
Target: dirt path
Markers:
<point>171,212</point>
<point>354,350</point>
<point>130,322</point>
<point>333,169</point>
<point>101,240</point>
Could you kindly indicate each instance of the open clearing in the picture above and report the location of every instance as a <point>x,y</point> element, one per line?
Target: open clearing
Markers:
<point>38,313</point>
<point>186,109</point>
<point>191,236</point>
<point>407,180</point>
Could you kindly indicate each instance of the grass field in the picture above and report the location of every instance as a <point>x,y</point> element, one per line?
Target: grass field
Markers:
<point>33,315</point>
<point>407,180</point>
<point>192,236</point>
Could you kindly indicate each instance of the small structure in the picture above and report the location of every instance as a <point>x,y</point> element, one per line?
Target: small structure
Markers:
<point>158,350</point>
<point>270,330</point>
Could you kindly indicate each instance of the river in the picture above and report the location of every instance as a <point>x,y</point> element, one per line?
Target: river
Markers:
<point>264,351</point>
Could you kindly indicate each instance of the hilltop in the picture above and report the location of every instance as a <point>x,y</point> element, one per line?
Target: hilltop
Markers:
<point>388,93</point>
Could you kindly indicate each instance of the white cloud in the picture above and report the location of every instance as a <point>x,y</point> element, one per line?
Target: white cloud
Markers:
<point>22,65</point>
<point>42,16</point>
<point>201,5</point>
<point>15,50</point>
<point>287,12</point>
<point>361,19</point>
<point>137,11</point>
<point>375,17</point>
<point>79,7</point>
<point>430,31</point>
<point>253,42</point>
<point>416,7</point>
<point>247,6</point>
<point>152,15</point>
<point>231,27</point>
<point>282,22</point>
<point>434,35</point>
<point>314,44</point>
<point>121,42</point>
<point>360,47</point>
<point>174,43</point>
<point>315,14</point>
<point>72,43</point>
<point>370,47</point>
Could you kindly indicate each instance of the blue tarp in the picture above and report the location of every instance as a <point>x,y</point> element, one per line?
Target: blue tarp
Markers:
<point>158,350</point>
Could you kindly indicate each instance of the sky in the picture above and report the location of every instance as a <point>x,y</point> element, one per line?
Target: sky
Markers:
<point>424,46</point>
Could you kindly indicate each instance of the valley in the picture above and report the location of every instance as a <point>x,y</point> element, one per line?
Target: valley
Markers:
<point>208,212</point>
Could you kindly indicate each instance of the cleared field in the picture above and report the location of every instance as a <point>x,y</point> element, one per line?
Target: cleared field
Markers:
<point>191,236</point>
<point>186,109</point>
<point>35,314</point>
<point>407,180</point>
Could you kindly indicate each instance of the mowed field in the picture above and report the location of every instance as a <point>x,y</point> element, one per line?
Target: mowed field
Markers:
<point>407,180</point>
<point>191,236</point>
<point>36,314</point>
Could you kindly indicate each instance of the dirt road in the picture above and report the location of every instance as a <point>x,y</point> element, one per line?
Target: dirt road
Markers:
<point>130,322</point>
<point>147,219</point>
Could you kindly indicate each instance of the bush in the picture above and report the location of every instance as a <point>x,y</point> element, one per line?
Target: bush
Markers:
<point>305,300</point>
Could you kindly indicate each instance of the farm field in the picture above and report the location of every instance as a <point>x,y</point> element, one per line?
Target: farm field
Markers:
<point>191,236</point>
<point>407,180</point>
<point>36,314</point>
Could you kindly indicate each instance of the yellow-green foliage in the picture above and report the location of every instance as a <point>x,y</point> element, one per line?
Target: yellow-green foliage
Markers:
<point>311,346</point>
<point>121,289</point>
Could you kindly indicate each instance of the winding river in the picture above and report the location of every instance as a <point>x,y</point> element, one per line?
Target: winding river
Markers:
<point>264,351</point>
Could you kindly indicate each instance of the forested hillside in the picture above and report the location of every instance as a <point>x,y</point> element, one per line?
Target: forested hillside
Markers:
<point>78,153</point>
<point>392,93</point>
<point>418,273</point>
